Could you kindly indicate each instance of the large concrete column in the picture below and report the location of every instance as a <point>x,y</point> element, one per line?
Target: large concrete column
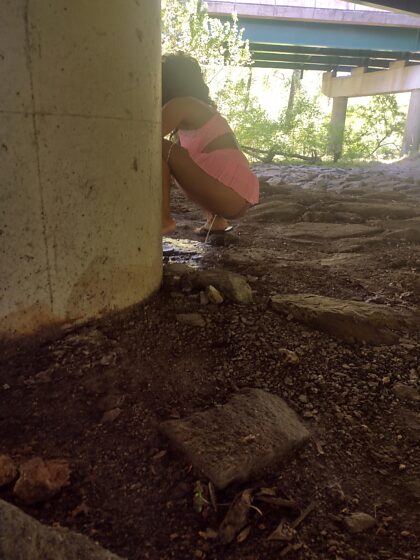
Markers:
<point>337,125</point>
<point>80,164</point>
<point>411,142</point>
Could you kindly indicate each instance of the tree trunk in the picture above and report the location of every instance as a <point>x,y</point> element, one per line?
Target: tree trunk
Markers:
<point>294,88</point>
<point>248,90</point>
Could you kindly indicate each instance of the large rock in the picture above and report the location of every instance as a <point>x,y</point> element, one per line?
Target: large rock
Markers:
<point>24,538</point>
<point>229,443</point>
<point>230,284</point>
<point>348,320</point>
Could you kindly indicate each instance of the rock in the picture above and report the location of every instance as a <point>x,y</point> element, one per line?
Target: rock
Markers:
<point>275,211</point>
<point>232,285</point>
<point>311,230</point>
<point>8,470</point>
<point>213,295</point>
<point>24,538</point>
<point>289,357</point>
<point>346,319</point>
<point>40,480</point>
<point>111,415</point>
<point>191,319</point>
<point>406,392</point>
<point>359,522</point>
<point>229,443</point>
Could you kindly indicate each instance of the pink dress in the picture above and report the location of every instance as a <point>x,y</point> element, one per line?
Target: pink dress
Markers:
<point>229,166</point>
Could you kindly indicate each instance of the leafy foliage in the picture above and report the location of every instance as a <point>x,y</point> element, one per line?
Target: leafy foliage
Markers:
<point>298,131</point>
<point>187,27</point>
<point>374,130</point>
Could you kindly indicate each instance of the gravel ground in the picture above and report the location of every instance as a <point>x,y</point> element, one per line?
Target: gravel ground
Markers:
<point>95,397</point>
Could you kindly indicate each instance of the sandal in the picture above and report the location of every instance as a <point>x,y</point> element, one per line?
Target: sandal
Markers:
<point>204,232</point>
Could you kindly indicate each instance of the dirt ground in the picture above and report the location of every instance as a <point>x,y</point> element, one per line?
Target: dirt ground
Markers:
<point>132,493</point>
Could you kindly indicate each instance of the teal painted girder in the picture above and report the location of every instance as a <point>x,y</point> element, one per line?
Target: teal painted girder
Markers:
<point>282,32</point>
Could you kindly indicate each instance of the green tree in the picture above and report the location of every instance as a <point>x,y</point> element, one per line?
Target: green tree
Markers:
<point>187,27</point>
<point>374,130</point>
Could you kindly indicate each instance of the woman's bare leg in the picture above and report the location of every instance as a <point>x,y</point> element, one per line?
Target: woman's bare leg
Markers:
<point>168,223</point>
<point>200,187</point>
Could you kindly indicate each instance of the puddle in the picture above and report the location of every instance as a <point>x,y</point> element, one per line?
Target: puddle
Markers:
<point>185,251</point>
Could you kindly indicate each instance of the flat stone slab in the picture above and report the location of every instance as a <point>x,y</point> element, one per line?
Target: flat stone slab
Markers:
<point>24,538</point>
<point>229,443</point>
<point>348,320</point>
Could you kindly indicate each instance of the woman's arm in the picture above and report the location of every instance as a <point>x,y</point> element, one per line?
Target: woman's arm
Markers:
<point>173,113</point>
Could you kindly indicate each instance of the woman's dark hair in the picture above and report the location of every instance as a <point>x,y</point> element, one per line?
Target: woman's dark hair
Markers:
<point>182,77</point>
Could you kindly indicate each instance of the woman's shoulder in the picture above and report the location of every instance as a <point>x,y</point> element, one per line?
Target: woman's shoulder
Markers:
<point>193,112</point>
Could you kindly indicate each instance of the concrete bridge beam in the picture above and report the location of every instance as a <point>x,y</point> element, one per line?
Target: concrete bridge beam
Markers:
<point>411,142</point>
<point>80,165</point>
<point>399,78</point>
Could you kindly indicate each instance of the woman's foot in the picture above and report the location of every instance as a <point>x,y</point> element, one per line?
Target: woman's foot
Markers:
<point>217,224</point>
<point>168,226</point>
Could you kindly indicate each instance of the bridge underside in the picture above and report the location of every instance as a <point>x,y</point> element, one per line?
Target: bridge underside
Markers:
<point>325,58</point>
<point>381,56</point>
<point>318,46</point>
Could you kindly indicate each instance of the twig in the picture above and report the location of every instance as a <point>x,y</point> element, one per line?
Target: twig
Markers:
<point>268,155</point>
<point>303,515</point>
<point>290,548</point>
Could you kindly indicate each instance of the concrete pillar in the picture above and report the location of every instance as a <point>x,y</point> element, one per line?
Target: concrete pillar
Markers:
<point>80,164</point>
<point>337,124</point>
<point>411,142</point>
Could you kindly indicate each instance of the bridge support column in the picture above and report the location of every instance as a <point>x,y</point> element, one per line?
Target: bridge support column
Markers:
<point>411,142</point>
<point>80,164</point>
<point>337,125</point>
